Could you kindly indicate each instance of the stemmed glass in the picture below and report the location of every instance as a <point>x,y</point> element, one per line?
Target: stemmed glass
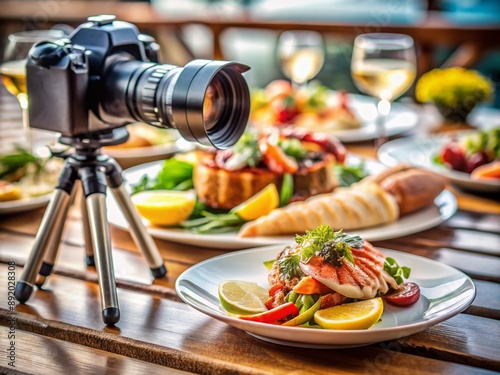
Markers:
<point>13,68</point>
<point>301,55</point>
<point>384,66</point>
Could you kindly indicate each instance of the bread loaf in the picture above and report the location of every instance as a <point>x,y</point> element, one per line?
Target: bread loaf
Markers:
<point>362,206</point>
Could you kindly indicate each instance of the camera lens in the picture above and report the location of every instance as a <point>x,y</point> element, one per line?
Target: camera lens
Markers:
<point>207,101</point>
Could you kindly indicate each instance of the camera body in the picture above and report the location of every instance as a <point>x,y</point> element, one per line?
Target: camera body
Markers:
<point>65,79</point>
<point>106,75</point>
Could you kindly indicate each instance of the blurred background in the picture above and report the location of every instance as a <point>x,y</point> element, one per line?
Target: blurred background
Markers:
<point>446,32</point>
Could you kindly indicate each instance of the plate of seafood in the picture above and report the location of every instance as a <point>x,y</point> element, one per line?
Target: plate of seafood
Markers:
<point>348,277</point>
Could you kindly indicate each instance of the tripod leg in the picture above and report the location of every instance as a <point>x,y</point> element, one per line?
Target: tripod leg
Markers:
<point>94,187</point>
<point>139,233</point>
<point>54,243</point>
<point>89,251</point>
<point>58,204</point>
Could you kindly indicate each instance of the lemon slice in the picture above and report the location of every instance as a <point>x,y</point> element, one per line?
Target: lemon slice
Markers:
<point>164,207</point>
<point>242,297</point>
<point>356,315</point>
<point>259,204</point>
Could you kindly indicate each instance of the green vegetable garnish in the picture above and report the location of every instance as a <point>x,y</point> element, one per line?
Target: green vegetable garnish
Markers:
<point>332,246</point>
<point>289,267</point>
<point>10,164</point>
<point>248,145</point>
<point>399,273</point>
<point>293,147</point>
<point>348,175</point>
<point>286,192</point>
<point>174,175</point>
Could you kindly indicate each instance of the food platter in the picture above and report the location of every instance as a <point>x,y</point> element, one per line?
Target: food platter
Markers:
<point>444,207</point>
<point>402,118</point>
<point>445,292</point>
<point>420,152</point>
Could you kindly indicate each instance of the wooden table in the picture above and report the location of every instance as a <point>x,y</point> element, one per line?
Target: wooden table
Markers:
<point>60,330</point>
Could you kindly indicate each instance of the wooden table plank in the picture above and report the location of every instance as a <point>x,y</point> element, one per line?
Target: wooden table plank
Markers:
<point>173,334</point>
<point>132,269</point>
<point>448,341</point>
<point>48,356</point>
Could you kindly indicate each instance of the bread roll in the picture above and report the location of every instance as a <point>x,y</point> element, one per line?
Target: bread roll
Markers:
<point>413,188</point>
<point>362,206</point>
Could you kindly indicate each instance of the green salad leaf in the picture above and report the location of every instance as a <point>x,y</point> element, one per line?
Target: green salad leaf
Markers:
<point>395,270</point>
<point>174,175</point>
<point>348,175</point>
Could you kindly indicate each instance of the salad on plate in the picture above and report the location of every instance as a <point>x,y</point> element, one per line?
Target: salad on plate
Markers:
<point>325,279</point>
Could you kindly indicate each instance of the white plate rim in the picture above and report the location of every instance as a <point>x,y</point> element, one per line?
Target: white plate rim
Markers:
<point>24,204</point>
<point>327,339</point>
<point>368,130</point>
<point>179,145</point>
<point>426,146</point>
<point>445,205</point>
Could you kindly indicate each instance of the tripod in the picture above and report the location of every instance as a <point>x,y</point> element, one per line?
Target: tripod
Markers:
<point>95,171</point>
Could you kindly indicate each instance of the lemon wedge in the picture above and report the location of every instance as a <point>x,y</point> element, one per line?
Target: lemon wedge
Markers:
<point>242,297</point>
<point>164,207</point>
<point>259,204</point>
<point>356,315</point>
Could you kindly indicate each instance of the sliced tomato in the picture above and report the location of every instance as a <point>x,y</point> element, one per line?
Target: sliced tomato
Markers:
<point>274,315</point>
<point>406,296</point>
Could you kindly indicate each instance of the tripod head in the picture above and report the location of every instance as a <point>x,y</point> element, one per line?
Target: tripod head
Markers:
<point>92,142</point>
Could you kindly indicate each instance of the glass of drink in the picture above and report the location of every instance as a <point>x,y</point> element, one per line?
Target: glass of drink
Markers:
<point>384,66</point>
<point>13,68</point>
<point>301,55</point>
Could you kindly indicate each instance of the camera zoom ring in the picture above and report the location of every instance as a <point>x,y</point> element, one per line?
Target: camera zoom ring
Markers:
<point>148,95</point>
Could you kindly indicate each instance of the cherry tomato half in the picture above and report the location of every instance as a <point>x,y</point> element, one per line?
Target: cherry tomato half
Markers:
<point>406,296</point>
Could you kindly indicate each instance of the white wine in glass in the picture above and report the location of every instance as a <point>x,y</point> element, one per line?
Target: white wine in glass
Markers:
<point>384,66</point>
<point>301,55</point>
<point>13,68</point>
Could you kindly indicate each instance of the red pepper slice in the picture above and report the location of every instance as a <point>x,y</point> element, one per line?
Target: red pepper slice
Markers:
<point>273,315</point>
<point>275,288</point>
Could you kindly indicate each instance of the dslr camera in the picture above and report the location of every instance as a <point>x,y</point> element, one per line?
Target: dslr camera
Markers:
<point>105,75</point>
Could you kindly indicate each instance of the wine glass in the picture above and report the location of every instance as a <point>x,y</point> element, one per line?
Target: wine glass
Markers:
<point>301,55</point>
<point>13,68</point>
<point>384,66</point>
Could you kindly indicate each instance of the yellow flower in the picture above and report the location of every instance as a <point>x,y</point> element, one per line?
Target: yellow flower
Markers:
<point>453,87</point>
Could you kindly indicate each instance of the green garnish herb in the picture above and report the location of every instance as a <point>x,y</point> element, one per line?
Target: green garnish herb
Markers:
<point>324,241</point>
<point>289,267</point>
<point>248,146</point>
<point>334,251</point>
<point>395,270</point>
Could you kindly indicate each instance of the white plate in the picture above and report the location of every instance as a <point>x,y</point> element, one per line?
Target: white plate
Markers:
<point>141,154</point>
<point>25,204</point>
<point>445,292</point>
<point>420,152</point>
<point>402,118</point>
<point>445,206</point>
